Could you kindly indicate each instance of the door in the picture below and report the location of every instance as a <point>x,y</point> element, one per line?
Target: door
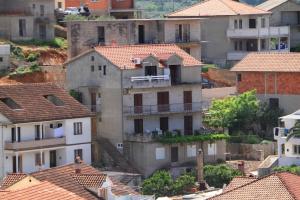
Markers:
<point>22,27</point>
<point>138,126</point>
<point>164,124</point>
<point>163,102</point>
<point>174,154</point>
<point>43,31</point>
<point>101,34</point>
<point>187,100</point>
<point>252,23</point>
<point>53,158</point>
<point>141,34</point>
<point>20,164</point>
<point>93,102</point>
<point>175,74</point>
<point>188,125</point>
<point>37,132</point>
<point>13,135</point>
<point>138,103</point>
<point>252,45</point>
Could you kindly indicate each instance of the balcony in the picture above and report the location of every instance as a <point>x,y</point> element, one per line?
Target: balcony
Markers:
<point>258,32</point>
<point>186,42</point>
<point>149,81</point>
<point>35,144</point>
<point>165,109</point>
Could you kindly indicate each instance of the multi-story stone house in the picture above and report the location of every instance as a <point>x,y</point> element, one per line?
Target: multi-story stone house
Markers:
<point>144,90</point>
<point>288,150</point>
<point>82,35</point>
<point>285,13</point>
<point>124,9</point>
<point>25,20</point>
<point>274,76</point>
<point>41,127</point>
<point>232,29</point>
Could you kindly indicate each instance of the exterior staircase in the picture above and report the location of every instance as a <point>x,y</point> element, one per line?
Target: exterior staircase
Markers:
<point>117,158</point>
<point>266,166</point>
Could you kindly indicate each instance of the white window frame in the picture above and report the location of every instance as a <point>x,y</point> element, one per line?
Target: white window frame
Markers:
<point>160,153</point>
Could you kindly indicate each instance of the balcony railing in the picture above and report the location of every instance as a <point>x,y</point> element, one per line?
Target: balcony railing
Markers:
<point>35,144</point>
<point>150,81</point>
<point>94,108</point>
<point>167,108</point>
<point>259,32</point>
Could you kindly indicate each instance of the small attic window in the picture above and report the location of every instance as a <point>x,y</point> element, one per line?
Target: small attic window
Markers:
<point>10,103</point>
<point>54,99</point>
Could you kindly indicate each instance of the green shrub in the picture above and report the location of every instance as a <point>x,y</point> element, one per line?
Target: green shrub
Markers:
<point>55,43</point>
<point>206,67</point>
<point>26,70</point>
<point>218,175</point>
<point>192,138</point>
<point>32,57</point>
<point>162,184</point>
<point>293,169</point>
<point>76,95</point>
<point>247,139</point>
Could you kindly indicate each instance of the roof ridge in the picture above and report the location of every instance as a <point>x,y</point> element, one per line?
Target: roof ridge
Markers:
<point>31,186</point>
<point>134,45</point>
<point>181,9</point>
<point>278,174</point>
<point>229,7</point>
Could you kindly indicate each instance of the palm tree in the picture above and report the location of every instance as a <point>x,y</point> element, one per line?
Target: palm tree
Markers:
<point>294,132</point>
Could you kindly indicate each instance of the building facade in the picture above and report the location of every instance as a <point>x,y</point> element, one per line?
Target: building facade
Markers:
<point>42,127</point>
<point>26,20</point>
<point>4,57</point>
<point>230,30</point>
<point>274,76</point>
<point>142,90</point>
<point>285,13</point>
<point>83,35</point>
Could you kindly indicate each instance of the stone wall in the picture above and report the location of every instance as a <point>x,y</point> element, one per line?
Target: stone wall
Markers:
<point>250,151</point>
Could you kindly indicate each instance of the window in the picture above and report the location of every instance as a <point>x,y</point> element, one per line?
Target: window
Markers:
<point>212,149</point>
<point>59,4</point>
<point>240,24</point>
<point>262,44</point>
<point>22,27</point>
<point>160,153</point>
<point>92,58</point>
<point>241,45</point>
<point>104,69</point>
<point>78,153</point>
<point>236,45</point>
<point>191,151</point>
<point>150,71</point>
<point>283,149</point>
<point>263,22</point>
<point>182,33</point>
<point>54,99</point>
<point>14,135</point>
<point>39,159</point>
<point>252,23</point>
<point>92,68</point>
<point>174,154</point>
<point>37,132</point>
<point>296,149</point>
<point>274,102</point>
<point>120,145</point>
<point>101,34</point>
<point>99,67</point>
<point>1,59</point>
<point>235,24</point>
<point>10,103</point>
<point>42,10</point>
<point>33,6</point>
<point>77,128</point>
<point>239,77</point>
<point>138,126</point>
<point>20,163</point>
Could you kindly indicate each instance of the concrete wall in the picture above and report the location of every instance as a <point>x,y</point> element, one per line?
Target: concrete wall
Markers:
<point>250,151</point>
<point>217,93</point>
<point>143,155</point>
<point>4,57</point>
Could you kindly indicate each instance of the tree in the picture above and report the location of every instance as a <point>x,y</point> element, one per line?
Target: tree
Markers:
<point>218,175</point>
<point>294,132</point>
<point>237,112</point>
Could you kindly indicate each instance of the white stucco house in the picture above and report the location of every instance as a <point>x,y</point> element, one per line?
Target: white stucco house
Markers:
<point>41,127</point>
<point>288,150</point>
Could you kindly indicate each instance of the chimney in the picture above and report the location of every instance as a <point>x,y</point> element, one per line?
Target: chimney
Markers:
<point>202,184</point>
<point>241,167</point>
<point>77,165</point>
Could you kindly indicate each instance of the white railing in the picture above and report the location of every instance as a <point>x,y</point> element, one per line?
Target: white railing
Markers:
<point>280,132</point>
<point>149,81</point>
<point>150,78</point>
<point>259,32</point>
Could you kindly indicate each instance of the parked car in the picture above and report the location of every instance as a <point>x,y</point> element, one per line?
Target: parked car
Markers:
<point>71,11</point>
<point>206,83</point>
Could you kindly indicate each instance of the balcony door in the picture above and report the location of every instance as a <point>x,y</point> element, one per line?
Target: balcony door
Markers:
<point>20,164</point>
<point>141,34</point>
<point>164,124</point>
<point>42,32</point>
<point>138,126</point>
<point>188,125</point>
<point>53,158</point>
<point>138,103</point>
<point>14,135</point>
<point>175,74</point>
<point>163,102</point>
<point>187,100</point>
<point>174,154</point>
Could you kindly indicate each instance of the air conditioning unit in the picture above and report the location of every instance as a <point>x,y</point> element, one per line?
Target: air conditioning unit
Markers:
<point>136,61</point>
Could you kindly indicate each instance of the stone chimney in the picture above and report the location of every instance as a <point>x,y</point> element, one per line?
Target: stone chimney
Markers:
<point>241,167</point>
<point>200,175</point>
<point>77,165</point>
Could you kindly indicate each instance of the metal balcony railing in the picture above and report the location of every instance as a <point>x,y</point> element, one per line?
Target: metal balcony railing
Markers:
<point>167,108</point>
<point>34,144</point>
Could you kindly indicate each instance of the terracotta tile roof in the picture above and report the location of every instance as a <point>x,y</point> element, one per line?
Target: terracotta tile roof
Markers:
<point>270,4</point>
<point>211,8</point>
<point>35,107</point>
<point>11,179</point>
<point>269,62</point>
<point>41,191</point>
<point>120,189</point>
<point>238,182</point>
<point>279,186</point>
<point>90,180</point>
<point>122,55</point>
